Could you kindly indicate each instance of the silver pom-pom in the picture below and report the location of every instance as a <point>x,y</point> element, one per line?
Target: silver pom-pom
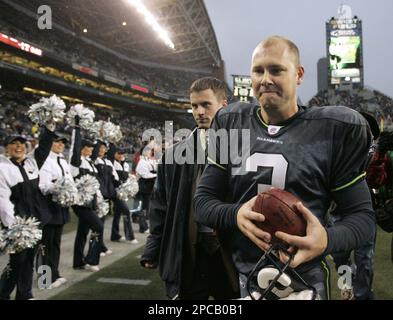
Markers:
<point>85,114</point>
<point>47,110</point>
<point>65,192</point>
<point>102,206</point>
<point>23,234</point>
<point>128,189</point>
<point>106,131</point>
<point>88,186</point>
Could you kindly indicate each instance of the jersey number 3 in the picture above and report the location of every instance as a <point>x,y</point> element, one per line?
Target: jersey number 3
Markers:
<point>275,161</point>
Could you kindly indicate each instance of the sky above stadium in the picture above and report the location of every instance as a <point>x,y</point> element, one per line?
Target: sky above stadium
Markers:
<point>241,24</point>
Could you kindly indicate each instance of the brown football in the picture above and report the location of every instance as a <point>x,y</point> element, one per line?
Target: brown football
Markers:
<point>279,208</point>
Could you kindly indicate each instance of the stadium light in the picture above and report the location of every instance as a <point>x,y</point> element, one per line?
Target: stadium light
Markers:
<point>124,23</point>
<point>151,20</point>
<point>84,30</point>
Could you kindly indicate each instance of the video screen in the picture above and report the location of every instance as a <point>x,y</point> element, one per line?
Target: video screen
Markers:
<point>344,52</point>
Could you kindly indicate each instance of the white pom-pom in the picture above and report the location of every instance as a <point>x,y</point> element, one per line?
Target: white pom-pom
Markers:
<point>47,110</point>
<point>106,131</point>
<point>102,206</point>
<point>23,234</point>
<point>88,186</point>
<point>128,189</point>
<point>65,192</point>
<point>85,114</point>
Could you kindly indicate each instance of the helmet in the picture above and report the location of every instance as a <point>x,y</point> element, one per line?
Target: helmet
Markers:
<point>274,280</point>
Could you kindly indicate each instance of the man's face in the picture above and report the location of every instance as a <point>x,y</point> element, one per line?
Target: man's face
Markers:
<point>102,151</point>
<point>58,146</point>
<point>205,104</point>
<point>16,150</point>
<point>275,76</point>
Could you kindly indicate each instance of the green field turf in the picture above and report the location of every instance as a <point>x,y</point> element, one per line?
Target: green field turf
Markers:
<point>125,268</point>
<point>129,268</point>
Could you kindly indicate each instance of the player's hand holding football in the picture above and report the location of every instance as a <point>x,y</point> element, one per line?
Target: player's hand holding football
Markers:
<point>245,222</point>
<point>308,247</point>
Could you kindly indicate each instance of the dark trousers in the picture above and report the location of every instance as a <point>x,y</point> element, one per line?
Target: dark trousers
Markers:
<point>208,278</point>
<point>145,198</point>
<point>104,248</point>
<point>19,273</point>
<point>363,270</point>
<point>87,220</point>
<point>121,209</point>
<point>51,240</point>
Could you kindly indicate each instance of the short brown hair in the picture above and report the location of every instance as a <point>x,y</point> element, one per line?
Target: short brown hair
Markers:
<point>291,46</point>
<point>206,83</point>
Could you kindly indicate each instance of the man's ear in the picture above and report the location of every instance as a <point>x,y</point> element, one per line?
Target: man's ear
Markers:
<point>300,75</point>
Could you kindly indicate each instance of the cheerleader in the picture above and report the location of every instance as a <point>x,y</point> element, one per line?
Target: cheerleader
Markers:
<point>20,196</point>
<point>117,157</point>
<point>81,165</point>
<point>107,177</point>
<point>55,167</point>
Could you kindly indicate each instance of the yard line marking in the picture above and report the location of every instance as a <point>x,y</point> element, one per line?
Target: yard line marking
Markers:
<point>135,282</point>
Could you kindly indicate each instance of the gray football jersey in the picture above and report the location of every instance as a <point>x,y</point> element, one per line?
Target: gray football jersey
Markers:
<point>319,151</point>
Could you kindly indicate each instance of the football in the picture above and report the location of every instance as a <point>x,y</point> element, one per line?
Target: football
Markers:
<point>279,208</point>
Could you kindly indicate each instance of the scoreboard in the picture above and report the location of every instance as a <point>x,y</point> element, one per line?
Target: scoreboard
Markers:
<point>344,50</point>
<point>242,88</point>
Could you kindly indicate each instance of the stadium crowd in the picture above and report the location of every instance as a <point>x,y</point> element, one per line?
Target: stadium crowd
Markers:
<point>14,120</point>
<point>362,100</point>
<point>58,43</point>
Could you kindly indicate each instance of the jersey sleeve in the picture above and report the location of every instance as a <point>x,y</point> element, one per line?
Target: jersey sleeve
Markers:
<point>350,154</point>
<point>218,143</point>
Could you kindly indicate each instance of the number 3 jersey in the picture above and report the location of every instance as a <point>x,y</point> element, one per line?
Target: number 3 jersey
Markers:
<point>314,154</point>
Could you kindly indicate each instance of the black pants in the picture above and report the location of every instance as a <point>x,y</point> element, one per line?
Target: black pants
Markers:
<point>145,198</point>
<point>104,248</point>
<point>209,278</point>
<point>51,240</point>
<point>87,220</point>
<point>19,273</point>
<point>121,209</point>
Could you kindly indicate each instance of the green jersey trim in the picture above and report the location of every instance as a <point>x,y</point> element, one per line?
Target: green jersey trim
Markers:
<point>350,183</point>
<point>260,119</point>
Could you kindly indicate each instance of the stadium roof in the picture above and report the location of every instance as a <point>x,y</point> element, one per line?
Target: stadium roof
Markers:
<point>186,21</point>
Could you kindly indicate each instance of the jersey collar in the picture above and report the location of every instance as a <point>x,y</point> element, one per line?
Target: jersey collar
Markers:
<point>275,129</point>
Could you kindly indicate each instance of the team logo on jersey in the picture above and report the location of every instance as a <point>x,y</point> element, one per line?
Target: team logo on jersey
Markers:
<point>272,130</point>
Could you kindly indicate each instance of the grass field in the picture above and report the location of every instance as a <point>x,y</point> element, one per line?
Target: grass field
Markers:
<point>126,268</point>
<point>129,268</point>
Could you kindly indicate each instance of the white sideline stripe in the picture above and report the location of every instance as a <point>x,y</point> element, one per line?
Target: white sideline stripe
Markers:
<point>124,281</point>
<point>139,256</point>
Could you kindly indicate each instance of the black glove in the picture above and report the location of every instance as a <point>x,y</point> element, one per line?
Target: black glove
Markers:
<point>77,120</point>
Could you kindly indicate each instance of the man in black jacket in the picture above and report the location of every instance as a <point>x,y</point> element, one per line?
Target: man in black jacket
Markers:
<point>192,262</point>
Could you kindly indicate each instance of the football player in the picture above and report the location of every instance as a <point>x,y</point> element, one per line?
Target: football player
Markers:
<point>318,154</point>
